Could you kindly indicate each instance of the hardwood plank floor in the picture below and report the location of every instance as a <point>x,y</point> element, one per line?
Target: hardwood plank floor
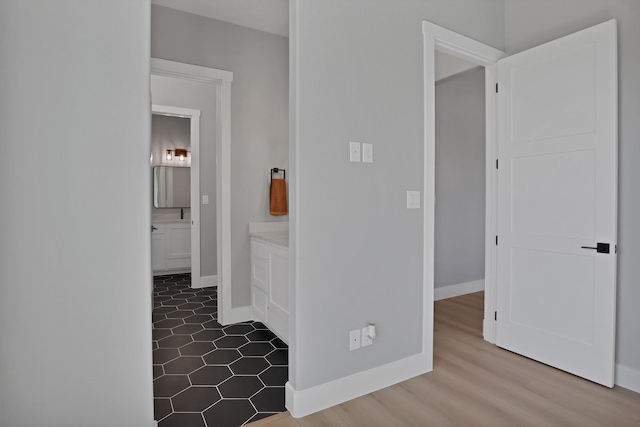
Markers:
<point>475,383</point>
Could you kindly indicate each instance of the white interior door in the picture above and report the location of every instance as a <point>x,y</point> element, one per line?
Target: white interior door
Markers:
<point>557,197</point>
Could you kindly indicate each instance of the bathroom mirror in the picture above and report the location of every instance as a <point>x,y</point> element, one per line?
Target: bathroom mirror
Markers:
<point>171,187</point>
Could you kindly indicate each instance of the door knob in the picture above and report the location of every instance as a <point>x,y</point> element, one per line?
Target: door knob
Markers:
<point>602,248</point>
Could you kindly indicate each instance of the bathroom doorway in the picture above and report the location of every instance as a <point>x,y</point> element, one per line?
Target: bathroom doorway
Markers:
<point>176,225</point>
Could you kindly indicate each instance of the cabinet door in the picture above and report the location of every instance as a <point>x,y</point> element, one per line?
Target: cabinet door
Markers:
<point>179,246</point>
<point>259,303</point>
<point>278,281</point>
<point>158,252</point>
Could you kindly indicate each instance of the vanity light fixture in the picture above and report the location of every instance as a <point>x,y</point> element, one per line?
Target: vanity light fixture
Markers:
<point>180,153</point>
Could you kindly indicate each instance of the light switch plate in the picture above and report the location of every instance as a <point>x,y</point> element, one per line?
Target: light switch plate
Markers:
<point>413,200</point>
<point>205,200</point>
<point>367,152</point>
<point>354,151</point>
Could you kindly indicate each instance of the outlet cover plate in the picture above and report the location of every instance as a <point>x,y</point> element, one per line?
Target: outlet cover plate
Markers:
<point>354,340</point>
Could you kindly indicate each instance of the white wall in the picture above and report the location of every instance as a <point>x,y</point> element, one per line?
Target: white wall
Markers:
<point>529,23</point>
<point>358,76</point>
<point>75,276</point>
<point>201,96</point>
<point>460,179</point>
<point>259,113</point>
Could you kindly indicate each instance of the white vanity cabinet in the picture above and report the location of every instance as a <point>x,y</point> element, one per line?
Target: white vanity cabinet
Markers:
<point>270,285</point>
<point>171,247</point>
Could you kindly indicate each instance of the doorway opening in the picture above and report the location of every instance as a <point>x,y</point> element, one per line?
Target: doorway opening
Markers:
<point>459,230</point>
<point>442,41</point>
<point>175,230</point>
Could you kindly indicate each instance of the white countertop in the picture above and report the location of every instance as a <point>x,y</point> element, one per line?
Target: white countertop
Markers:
<point>166,220</point>
<point>280,238</point>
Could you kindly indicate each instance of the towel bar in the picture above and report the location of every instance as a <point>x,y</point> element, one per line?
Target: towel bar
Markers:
<point>276,170</point>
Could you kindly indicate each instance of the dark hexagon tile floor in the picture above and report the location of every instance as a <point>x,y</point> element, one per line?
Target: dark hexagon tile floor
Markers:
<point>206,374</point>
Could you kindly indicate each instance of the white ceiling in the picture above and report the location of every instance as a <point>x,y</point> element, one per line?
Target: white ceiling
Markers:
<point>271,16</point>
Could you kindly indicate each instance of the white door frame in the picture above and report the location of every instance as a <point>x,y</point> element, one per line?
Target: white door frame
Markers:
<point>454,44</point>
<point>194,141</point>
<point>221,80</point>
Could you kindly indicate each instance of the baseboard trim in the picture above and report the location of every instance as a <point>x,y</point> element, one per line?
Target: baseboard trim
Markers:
<point>155,423</point>
<point>304,402</point>
<point>238,315</point>
<point>628,378</point>
<point>458,289</point>
<point>207,282</point>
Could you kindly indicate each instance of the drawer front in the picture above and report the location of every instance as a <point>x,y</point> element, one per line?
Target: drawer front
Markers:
<point>259,303</point>
<point>258,249</point>
<point>259,274</point>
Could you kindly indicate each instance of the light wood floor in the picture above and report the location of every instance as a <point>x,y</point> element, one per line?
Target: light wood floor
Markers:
<point>475,383</point>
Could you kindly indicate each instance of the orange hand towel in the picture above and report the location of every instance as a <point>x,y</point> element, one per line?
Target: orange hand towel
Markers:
<point>278,199</point>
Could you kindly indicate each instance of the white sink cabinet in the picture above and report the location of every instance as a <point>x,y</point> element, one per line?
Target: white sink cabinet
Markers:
<point>171,247</point>
<point>270,285</point>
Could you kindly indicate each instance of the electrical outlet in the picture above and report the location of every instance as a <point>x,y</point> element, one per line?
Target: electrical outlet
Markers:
<point>354,340</point>
<point>354,151</point>
<point>367,152</point>
<point>365,340</point>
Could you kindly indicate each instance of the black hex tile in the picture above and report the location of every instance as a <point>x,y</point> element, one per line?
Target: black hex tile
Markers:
<point>161,299</point>
<point>163,355</point>
<point>190,306</point>
<point>154,345</point>
<point>182,419</point>
<point>174,302</point>
<point>183,365</point>
<point>279,357</point>
<point>198,299</point>
<point>187,329</point>
<point>229,413</point>
<point>163,310</point>
<point>197,318</point>
<point>169,385</point>
<point>238,329</point>
<point>157,317</point>
<point>208,335</point>
<point>174,341</point>
<point>169,292</point>
<point>179,314</point>
<point>158,334</point>
<point>231,342</point>
<point>210,375</point>
<point>249,366</point>
<point>167,323</point>
<point>195,399</point>
<point>240,387</point>
<point>261,335</point>
<point>210,303</point>
<point>270,399</point>
<point>278,343</point>
<point>275,376</point>
<point>222,356</point>
<point>205,310</point>
<point>161,408</point>
<point>198,348</point>
<point>256,349</point>
<point>157,371</point>
<point>212,324</point>
<point>259,325</point>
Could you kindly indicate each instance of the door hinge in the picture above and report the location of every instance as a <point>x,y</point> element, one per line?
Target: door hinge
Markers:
<point>496,87</point>
<point>495,316</point>
<point>496,240</point>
